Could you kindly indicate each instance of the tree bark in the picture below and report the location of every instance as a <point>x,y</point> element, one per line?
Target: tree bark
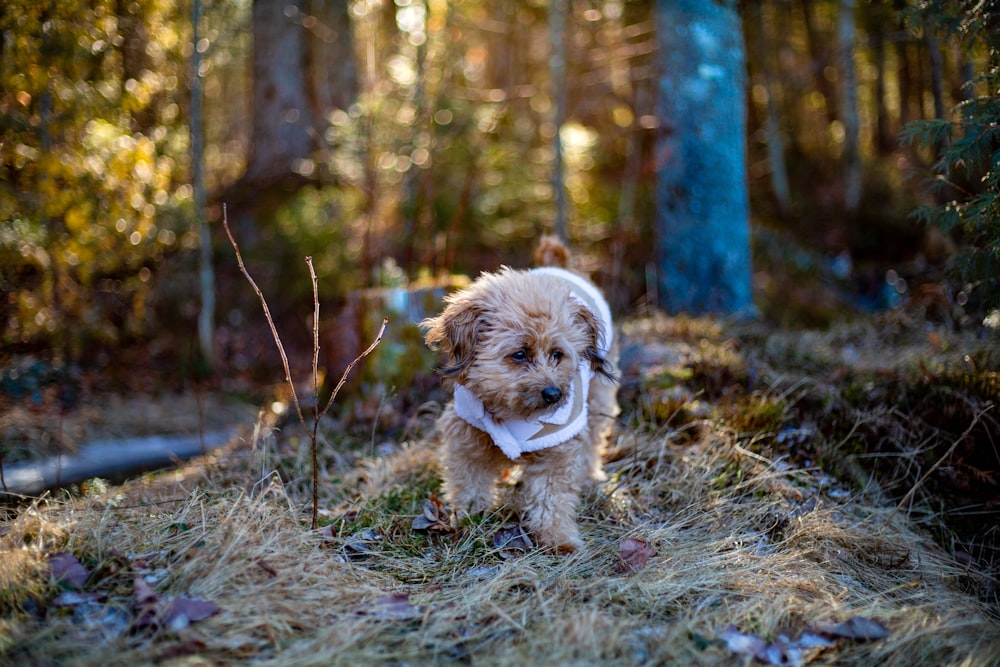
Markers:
<point>557,70</point>
<point>703,245</point>
<point>772,125</point>
<point>937,71</point>
<point>819,54</point>
<point>206,272</point>
<point>851,159</point>
<point>303,68</point>
<point>885,141</point>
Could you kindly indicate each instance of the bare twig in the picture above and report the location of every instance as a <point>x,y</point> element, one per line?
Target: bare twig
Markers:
<point>317,413</point>
<point>267,314</point>
<point>350,366</point>
<point>315,378</point>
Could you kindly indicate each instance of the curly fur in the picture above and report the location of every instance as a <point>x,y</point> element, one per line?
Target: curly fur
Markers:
<point>508,338</point>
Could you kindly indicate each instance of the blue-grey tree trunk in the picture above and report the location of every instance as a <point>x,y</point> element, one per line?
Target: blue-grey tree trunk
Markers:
<point>703,244</point>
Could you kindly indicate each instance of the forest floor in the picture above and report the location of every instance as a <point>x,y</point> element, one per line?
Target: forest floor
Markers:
<point>784,497</point>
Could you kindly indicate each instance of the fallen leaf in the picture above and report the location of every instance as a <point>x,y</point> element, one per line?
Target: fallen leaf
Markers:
<point>632,555</point>
<point>512,540</point>
<point>395,607</point>
<point>144,606</point>
<point>361,544</point>
<point>66,569</point>
<point>152,612</point>
<point>435,516</point>
<point>184,611</point>
<point>857,628</point>
<point>742,644</point>
<point>782,651</point>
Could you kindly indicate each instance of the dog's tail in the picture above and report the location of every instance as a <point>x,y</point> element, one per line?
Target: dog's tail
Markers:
<point>551,251</point>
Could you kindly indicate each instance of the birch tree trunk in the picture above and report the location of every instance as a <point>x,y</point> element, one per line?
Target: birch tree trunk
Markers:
<point>703,245</point>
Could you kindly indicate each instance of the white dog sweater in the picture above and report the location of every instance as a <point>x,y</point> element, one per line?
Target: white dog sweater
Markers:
<point>518,437</point>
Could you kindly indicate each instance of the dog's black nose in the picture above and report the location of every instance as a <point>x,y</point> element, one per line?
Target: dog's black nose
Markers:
<point>551,395</point>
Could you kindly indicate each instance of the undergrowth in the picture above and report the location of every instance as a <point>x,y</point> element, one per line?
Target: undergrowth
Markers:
<point>762,476</point>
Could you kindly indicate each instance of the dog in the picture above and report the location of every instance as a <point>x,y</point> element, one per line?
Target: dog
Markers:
<point>530,360</point>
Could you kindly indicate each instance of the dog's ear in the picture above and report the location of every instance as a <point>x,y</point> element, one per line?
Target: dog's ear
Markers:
<point>454,332</point>
<point>592,352</point>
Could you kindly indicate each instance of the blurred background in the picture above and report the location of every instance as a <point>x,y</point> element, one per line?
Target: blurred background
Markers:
<point>399,143</point>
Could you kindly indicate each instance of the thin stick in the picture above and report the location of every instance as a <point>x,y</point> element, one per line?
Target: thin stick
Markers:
<point>267,314</point>
<point>316,415</point>
<point>350,366</point>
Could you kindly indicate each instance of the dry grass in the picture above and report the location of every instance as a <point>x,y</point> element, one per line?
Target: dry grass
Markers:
<point>742,537</point>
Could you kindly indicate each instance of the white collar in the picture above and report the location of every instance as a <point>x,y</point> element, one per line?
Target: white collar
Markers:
<point>516,437</point>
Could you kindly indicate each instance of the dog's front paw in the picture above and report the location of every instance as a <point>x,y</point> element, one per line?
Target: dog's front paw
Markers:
<point>467,505</point>
<point>559,541</point>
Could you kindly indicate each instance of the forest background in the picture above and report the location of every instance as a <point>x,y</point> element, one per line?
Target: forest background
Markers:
<point>399,142</point>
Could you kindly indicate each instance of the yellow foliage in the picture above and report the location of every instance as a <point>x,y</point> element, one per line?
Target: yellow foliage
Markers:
<point>77,217</point>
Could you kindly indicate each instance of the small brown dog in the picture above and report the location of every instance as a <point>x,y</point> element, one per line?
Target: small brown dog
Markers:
<point>523,348</point>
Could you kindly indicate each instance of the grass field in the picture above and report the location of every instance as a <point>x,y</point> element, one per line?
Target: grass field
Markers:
<point>784,498</point>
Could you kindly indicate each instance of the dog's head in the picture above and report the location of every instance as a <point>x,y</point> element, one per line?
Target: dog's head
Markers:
<point>515,340</point>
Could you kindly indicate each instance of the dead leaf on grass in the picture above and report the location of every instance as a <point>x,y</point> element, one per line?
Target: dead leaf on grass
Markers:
<point>66,569</point>
<point>512,540</point>
<point>151,612</point>
<point>633,555</point>
<point>184,611</point>
<point>144,606</point>
<point>796,652</point>
<point>858,628</point>
<point>362,544</point>
<point>435,516</point>
<point>782,651</point>
<point>393,607</point>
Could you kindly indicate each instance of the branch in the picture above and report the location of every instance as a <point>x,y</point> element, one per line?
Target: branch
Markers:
<point>350,366</point>
<point>267,314</point>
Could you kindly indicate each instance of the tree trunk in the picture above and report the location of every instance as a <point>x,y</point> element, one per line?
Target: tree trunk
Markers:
<point>851,158</point>
<point>819,53</point>
<point>557,70</point>
<point>772,125</point>
<point>206,273</point>
<point>937,71</point>
<point>282,115</point>
<point>904,72</point>
<point>885,142</point>
<point>303,68</point>
<point>703,249</point>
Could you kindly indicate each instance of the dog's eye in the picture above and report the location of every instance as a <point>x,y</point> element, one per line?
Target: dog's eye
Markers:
<point>520,356</point>
<point>557,355</point>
